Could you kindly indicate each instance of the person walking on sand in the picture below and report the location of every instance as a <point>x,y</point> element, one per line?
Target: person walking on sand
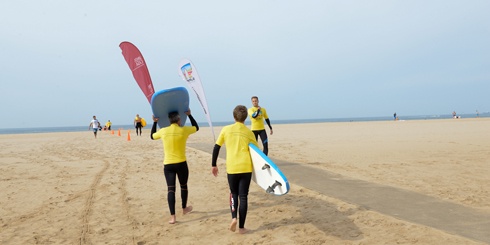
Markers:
<point>95,125</point>
<point>137,124</point>
<point>174,140</point>
<point>257,116</point>
<point>238,165</point>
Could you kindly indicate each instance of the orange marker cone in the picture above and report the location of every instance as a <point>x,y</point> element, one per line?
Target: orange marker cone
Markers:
<point>119,132</point>
<point>129,136</point>
<point>112,132</point>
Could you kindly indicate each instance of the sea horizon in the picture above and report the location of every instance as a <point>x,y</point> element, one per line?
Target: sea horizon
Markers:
<point>61,129</point>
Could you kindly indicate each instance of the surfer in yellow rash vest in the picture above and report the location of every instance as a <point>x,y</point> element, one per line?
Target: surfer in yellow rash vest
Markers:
<point>238,165</point>
<point>108,124</point>
<point>257,116</point>
<point>174,138</point>
<point>137,124</point>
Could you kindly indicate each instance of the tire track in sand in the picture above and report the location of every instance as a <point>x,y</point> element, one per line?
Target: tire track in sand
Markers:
<point>89,203</point>
<point>125,201</point>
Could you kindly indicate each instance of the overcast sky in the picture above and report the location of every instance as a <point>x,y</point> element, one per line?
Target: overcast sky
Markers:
<point>61,62</point>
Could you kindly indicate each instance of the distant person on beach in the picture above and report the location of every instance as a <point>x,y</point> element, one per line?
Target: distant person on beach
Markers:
<point>238,165</point>
<point>257,116</point>
<point>394,116</point>
<point>455,116</point>
<point>174,140</point>
<point>477,114</point>
<point>108,124</point>
<point>94,125</point>
<point>137,124</point>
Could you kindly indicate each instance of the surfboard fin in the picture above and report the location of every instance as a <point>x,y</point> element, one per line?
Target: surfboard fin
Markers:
<point>266,166</point>
<point>270,189</point>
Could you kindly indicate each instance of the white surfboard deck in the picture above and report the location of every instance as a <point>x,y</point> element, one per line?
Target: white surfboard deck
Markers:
<point>266,173</point>
<point>169,100</point>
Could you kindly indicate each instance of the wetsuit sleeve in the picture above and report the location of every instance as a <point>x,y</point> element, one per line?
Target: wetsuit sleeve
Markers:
<point>268,123</point>
<point>193,122</point>
<point>215,154</point>
<point>153,129</point>
<point>256,113</point>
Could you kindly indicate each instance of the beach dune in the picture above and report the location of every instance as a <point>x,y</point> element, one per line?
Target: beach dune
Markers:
<point>69,188</point>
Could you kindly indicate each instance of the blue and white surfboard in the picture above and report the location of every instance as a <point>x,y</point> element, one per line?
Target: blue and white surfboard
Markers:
<point>266,173</point>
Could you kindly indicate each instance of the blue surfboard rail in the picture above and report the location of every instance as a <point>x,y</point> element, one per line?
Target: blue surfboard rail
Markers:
<point>272,165</point>
<point>169,100</point>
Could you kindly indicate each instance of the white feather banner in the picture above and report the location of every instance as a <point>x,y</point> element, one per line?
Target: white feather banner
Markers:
<point>188,72</point>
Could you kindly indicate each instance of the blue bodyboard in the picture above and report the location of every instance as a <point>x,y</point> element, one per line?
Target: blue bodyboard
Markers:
<point>169,100</point>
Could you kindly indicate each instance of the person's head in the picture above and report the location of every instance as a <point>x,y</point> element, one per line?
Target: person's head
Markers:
<point>174,117</point>
<point>240,113</point>
<point>94,117</point>
<point>137,115</point>
<point>255,101</point>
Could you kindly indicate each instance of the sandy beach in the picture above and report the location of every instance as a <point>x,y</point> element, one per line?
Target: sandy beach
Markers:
<point>69,188</point>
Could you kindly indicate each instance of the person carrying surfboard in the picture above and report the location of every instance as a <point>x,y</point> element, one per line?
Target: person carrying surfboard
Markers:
<point>238,165</point>
<point>137,124</point>
<point>174,138</point>
<point>257,116</point>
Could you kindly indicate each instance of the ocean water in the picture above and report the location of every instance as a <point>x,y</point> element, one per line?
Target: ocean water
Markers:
<point>205,124</point>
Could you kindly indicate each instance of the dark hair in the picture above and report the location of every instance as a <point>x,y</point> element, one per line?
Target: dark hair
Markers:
<point>240,113</point>
<point>174,117</point>
<point>254,97</point>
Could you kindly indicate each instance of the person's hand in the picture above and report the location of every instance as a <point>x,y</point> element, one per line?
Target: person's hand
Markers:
<point>155,119</point>
<point>271,131</point>
<point>188,112</point>
<point>215,171</point>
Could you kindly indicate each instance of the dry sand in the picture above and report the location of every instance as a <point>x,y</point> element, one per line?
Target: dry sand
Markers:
<point>69,188</point>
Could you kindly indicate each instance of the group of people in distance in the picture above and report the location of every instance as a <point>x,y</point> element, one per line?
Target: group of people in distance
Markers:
<point>238,161</point>
<point>95,125</point>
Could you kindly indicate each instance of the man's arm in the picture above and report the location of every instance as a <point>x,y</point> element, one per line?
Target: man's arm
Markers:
<point>193,122</point>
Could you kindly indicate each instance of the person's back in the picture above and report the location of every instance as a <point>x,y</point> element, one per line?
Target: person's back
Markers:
<point>237,136</point>
<point>239,166</point>
<point>174,140</point>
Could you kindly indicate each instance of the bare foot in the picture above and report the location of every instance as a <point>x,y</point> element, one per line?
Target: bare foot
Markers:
<point>186,210</point>
<point>172,219</point>
<point>242,230</point>
<point>233,225</point>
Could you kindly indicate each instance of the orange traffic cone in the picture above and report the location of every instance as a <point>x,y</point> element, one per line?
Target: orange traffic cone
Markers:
<point>119,132</point>
<point>129,136</point>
